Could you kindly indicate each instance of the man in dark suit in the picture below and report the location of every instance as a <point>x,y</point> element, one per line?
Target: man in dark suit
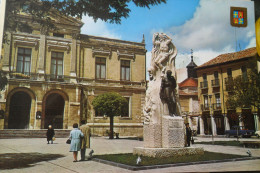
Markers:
<point>188,134</point>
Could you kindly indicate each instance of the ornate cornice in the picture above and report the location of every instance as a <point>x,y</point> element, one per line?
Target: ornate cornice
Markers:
<point>101,51</point>
<point>126,55</point>
<point>26,41</point>
<point>58,45</point>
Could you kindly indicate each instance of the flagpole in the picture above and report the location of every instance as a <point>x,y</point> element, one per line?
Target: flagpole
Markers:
<point>2,21</point>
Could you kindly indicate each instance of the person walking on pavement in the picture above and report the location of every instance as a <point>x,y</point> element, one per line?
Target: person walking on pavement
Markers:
<point>188,134</point>
<point>85,141</point>
<point>50,134</point>
<point>75,136</point>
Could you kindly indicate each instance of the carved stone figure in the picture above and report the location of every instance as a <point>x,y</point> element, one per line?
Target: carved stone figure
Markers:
<point>163,52</point>
<point>167,92</point>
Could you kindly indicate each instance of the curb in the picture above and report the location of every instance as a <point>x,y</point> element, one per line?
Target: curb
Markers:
<point>136,168</point>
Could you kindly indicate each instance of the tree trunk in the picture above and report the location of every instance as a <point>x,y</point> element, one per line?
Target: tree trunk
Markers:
<point>111,135</point>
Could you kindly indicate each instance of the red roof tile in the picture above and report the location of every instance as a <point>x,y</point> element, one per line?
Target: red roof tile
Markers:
<point>189,82</point>
<point>229,57</point>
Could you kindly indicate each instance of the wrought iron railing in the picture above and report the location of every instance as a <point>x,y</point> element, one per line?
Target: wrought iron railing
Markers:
<point>215,83</point>
<point>204,84</point>
<point>204,107</point>
<point>216,106</point>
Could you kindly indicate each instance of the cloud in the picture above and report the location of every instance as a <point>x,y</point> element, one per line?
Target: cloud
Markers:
<point>200,56</point>
<point>210,27</point>
<point>210,34</point>
<point>98,28</point>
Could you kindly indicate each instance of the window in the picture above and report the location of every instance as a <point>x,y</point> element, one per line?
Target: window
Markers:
<point>218,102</point>
<point>244,72</point>
<point>215,74</point>
<point>229,72</point>
<point>100,68</point>
<point>24,60</point>
<point>56,65</point>
<point>58,35</point>
<point>204,77</point>
<point>125,70</point>
<point>205,82</point>
<point>127,114</point>
<point>206,103</point>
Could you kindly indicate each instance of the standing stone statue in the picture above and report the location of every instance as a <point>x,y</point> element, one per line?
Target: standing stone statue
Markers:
<point>167,92</point>
<point>161,100</point>
<point>163,126</point>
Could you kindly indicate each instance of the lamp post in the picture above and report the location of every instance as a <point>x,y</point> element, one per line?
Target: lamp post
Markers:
<point>211,117</point>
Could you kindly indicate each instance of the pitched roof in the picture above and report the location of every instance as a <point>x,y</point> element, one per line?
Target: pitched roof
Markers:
<point>189,82</point>
<point>229,57</point>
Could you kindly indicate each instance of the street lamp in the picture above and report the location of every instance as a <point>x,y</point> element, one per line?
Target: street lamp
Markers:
<point>211,117</point>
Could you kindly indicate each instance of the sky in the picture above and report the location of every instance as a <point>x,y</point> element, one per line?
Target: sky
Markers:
<point>201,25</point>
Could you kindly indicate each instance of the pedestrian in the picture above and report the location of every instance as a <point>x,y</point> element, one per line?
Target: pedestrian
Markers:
<point>75,136</point>
<point>85,141</point>
<point>188,133</point>
<point>50,134</point>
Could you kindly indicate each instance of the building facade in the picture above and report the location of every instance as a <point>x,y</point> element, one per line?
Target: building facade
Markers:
<point>188,96</point>
<point>53,76</point>
<point>213,79</point>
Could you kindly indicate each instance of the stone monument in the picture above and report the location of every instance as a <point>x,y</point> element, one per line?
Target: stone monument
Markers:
<point>164,130</point>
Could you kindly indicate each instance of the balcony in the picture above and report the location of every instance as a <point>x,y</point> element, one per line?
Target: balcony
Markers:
<point>216,106</point>
<point>204,85</point>
<point>228,84</point>
<point>215,83</point>
<point>39,77</point>
<point>204,107</point>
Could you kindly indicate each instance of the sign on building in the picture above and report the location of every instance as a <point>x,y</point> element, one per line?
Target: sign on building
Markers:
<point>238,16</point>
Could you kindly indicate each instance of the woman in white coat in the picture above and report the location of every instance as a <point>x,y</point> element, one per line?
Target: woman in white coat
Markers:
<point>75,136</point>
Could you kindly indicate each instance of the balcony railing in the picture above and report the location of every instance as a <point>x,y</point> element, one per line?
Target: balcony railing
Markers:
<point>216,106</point>
<point>68,79</point>
<point>215,83</point>
<point>228,83</point>
<point>204,84</point>
<point>204,107</point>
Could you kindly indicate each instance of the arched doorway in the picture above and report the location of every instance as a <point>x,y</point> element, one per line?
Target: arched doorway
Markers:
<point>20,108</point>
<point>54,109</point>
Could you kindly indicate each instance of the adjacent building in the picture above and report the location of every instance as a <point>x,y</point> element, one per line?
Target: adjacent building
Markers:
<point>53,76</point>
<point>188,96</point>
<point>213,91</point>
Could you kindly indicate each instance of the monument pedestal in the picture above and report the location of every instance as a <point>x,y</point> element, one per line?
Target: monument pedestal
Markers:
<point>166,139</point>
<point>152,136</point>
<point>173,132</point>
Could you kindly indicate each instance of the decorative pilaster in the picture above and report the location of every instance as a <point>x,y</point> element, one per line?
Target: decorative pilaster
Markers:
<point>42,48</point>
<point>7,48</point>
<point>202,132</point>
<point>213,126</point>
<point>73,60</point>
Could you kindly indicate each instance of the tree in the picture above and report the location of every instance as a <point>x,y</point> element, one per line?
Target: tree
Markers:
<point>110,104</point>
<point>111,11</point>
<point>245,89</point>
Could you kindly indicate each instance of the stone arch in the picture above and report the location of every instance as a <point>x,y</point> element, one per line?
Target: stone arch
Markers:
<point>65,97</point>
<point>32,96</point>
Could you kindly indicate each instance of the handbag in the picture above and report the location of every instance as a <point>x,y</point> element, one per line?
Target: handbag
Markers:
<point>53,138</point>
<point>68,141</point>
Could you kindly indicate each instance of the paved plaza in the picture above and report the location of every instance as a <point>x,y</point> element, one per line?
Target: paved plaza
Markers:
<point>56,157</point>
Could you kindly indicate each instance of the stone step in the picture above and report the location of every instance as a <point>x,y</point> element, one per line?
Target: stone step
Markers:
<point>21,133</point>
